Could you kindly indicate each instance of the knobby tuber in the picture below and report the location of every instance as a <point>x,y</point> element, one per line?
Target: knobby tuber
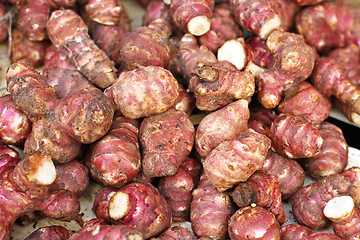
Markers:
<point>59,126</point>
<point>259,17</point>
<point>219,84</point>
<point>295,136</point>
<point>210,211</point>
<point>345,217</point>
<point>115,159</point>
<point>108,12</point>
<point>295,232</point>
<point>146,46</point>
<point>330,79</point>
<point>263,190</point>
<point>129,204</point>
<point>261,118</point>
<point>333,155</point>
<point>328,25</point>
<point>221,125</point>
<point>75,41</point>
<point>143,92</point>
<point>293,62</point>
<point>177,189</point>
<point>15,127</point>
<point>192,16</point>
<point>166,140</point>
<point>26,187</point>
<point>234,161</point>
<point>308,102</point>
<point>308,203</point>
<point>253,223</point>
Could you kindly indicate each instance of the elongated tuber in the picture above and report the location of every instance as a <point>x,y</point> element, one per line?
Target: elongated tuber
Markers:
<point>234,161</point>
<point>76,42</point>
<point>221,125</point>
<point>166,140</point>
<point>333,155</point>
<point>295,232</point>
<point>210,211</point>
<point>115,159</point>
<point>177,189</point>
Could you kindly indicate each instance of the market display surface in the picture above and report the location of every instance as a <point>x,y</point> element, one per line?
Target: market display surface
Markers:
<point>179,119</point>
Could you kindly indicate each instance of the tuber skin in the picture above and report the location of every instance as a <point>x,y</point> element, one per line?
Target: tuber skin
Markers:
<point>210,211</point>
<point>192,16</point>
<point>263,190</point>
<point>50,232</point>
<point>166,140</point>
<point>221,125</point>
<point>295,232</point>
<point>234,161</point>
<point>133,96</point>
<point>344,216</point>
<point>146,46</point>
<point>330,79</point>
<point>219,84</point>
<point>65,81</point>
<point>34,14</point>
<point>108,12</point>
<point>177,189</point>
<point>289,173</point>
<point>25,186</point>
<point>9,158</point>
<point>4,23</point>
<point>293,63</point>
<point>56,58</point>
<point>223,27</point>
<point>15,126</point>
<point>259,17</point>
<point>287,13</point>
<point>115,159</point>
<point>321,236</point>
<point>95,229</point>
<point>333,155</point>
<point>253,223</point>
<point>308,203</point>
<point>348,111</point>
<point>294,136</point>
<point>22,47</point>
<point>258,53</point>
<point>65,124</point>
<point>328,25</point>
<point>77,44</point>
<point>349,57</point>
<point>129,204</point>
<point>176,233</point>
<point>101,203</point>
<point>308,102</point>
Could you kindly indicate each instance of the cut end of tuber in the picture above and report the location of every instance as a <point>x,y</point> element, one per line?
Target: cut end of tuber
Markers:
<point>119,205</point>
<point>199,25</point>
<point>271,25</point>
<point>233,51</point>
<point>42,169</point>
<point>339,208</point>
